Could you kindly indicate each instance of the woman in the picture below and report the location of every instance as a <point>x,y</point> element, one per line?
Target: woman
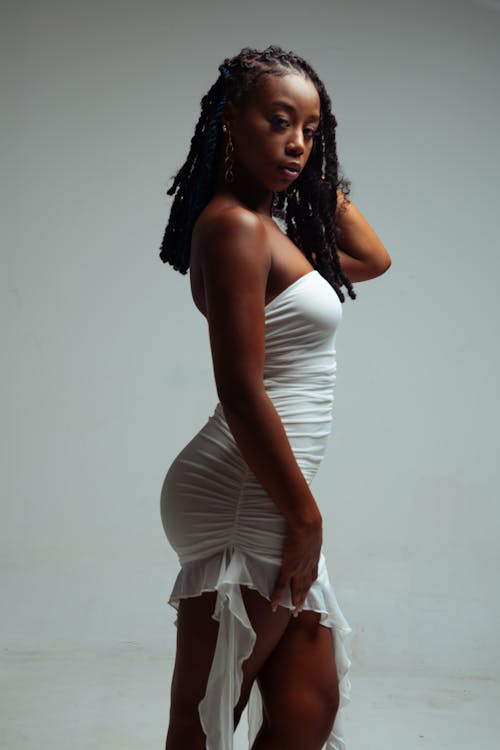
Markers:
<point>256,612</point>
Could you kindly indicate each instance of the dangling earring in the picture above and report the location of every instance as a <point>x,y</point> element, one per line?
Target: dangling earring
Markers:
<point>291,191</point>
<point>228,157</point>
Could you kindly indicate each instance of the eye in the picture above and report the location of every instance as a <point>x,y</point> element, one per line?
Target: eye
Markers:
<point>281,122</point>
<point>310,133</point>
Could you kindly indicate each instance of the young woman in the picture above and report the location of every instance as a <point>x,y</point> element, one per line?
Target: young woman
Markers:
<point>257,617</point>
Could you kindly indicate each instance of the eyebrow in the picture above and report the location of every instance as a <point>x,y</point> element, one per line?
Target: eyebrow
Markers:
<point>291,108</point>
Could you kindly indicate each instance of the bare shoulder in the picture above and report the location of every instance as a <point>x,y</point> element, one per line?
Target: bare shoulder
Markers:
<point>231,235</point>
<point>230,262</point>
<point>230,258</point>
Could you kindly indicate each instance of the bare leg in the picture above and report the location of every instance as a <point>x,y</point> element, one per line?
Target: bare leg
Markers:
<point>196,639</point>
<point>299,688</point>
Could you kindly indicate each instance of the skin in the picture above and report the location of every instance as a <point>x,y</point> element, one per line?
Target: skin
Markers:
<point>241,260</point>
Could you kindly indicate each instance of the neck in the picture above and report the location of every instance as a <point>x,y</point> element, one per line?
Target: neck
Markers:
<point>245,190</point>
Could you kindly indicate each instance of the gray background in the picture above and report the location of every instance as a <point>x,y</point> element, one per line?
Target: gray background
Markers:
<point>106,368</point>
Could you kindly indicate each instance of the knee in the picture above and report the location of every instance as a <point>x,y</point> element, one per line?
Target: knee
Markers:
<point>306,716</point>
<point>317,710</point>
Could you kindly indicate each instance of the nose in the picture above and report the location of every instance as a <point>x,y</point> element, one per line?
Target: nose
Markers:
<point>296,143</point>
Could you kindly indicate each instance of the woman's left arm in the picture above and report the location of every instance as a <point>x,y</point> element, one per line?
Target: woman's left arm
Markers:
<point>361,253</point>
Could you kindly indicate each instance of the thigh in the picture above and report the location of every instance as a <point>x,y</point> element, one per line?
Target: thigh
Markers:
<point>269,628</point>
<point>298,682</point>
<point>196,637</point>
<point>196,640</point>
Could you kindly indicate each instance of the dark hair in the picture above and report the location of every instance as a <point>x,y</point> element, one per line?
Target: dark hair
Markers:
<point>310,214</point>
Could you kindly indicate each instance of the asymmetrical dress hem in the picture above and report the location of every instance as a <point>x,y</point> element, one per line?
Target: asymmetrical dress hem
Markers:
<point>224,573</point>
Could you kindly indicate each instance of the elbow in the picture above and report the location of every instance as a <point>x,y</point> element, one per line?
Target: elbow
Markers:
<point>381,264</point>
<point>238,395</point>
<point>385,263</point>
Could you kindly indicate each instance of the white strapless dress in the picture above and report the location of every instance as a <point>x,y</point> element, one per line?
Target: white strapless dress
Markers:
<point>226,529</point>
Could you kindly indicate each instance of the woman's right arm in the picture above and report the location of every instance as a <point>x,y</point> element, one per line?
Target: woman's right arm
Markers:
<point>235,262</point>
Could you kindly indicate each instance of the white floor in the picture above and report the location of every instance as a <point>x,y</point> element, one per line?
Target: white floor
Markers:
<point>118,698</point>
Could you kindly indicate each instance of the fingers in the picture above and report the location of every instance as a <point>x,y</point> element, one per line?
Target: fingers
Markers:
<point>299,588</point>
<point>299,569</point>
<point>279,590</point>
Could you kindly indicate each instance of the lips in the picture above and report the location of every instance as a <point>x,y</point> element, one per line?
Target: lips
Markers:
<point>291,170</point>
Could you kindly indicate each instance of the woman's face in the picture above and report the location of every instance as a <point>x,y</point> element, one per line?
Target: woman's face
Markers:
<point>273,130</point>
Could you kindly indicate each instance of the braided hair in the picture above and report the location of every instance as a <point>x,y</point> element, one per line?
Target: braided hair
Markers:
<point>310,214</point>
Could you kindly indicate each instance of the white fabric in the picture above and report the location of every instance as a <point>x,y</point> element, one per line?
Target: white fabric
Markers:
<point>224,527</point>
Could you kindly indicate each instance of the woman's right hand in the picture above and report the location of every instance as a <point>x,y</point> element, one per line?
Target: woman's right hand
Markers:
<point>299,567</point>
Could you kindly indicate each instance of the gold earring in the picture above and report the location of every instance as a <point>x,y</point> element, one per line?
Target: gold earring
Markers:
<point>228,159</point>
<point>291,191</point>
